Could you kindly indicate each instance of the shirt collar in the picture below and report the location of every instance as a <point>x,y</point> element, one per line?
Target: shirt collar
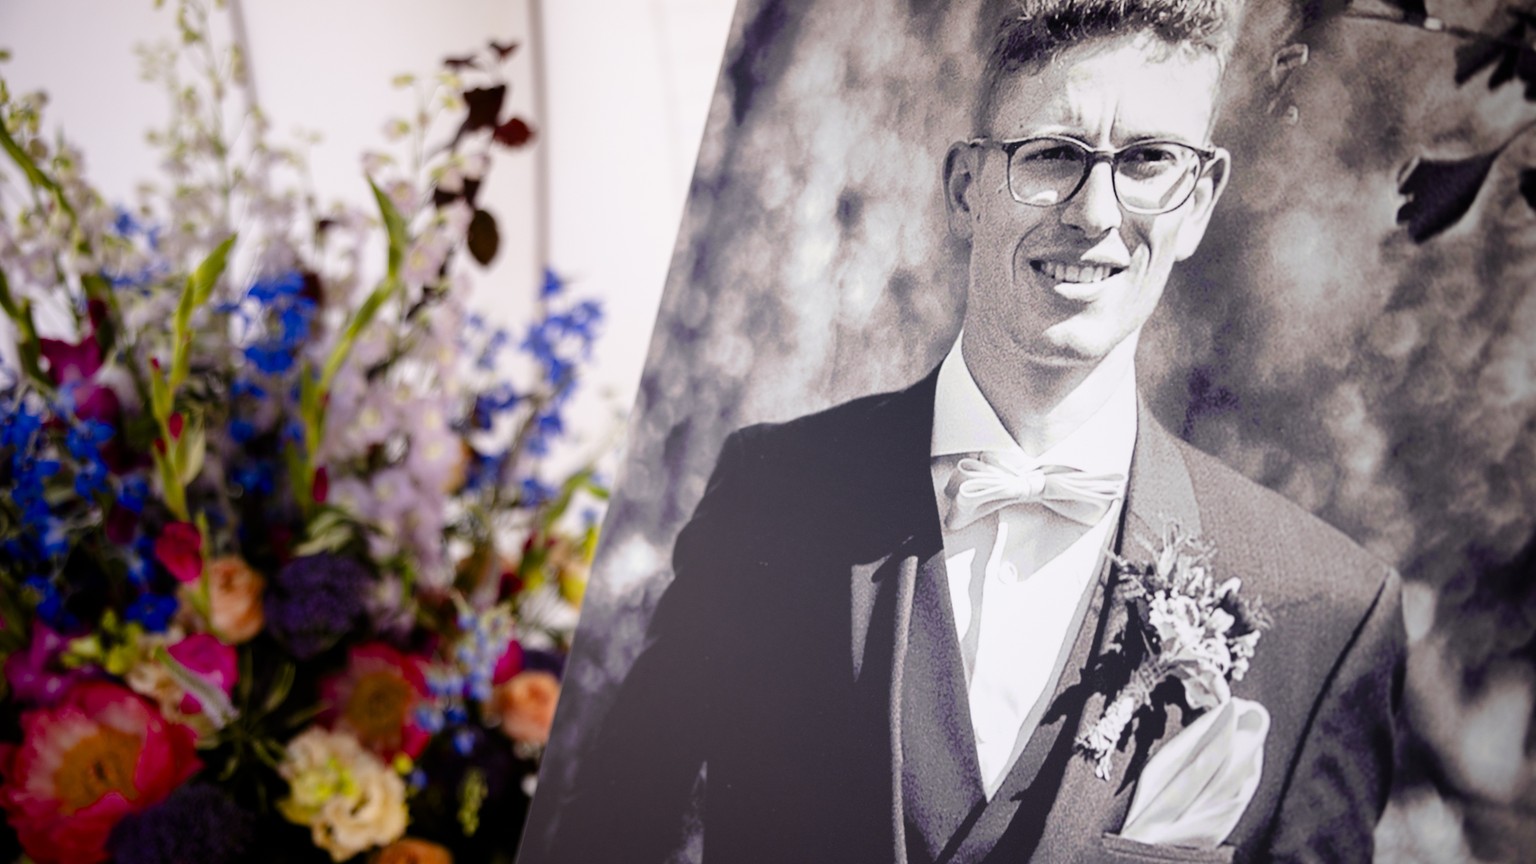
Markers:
<point>964,422</point>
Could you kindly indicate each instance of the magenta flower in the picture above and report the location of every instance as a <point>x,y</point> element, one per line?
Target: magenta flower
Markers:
<point>212,660</point>
<point>179,548</point>
<point>32,674</point>
<point>375,699</point>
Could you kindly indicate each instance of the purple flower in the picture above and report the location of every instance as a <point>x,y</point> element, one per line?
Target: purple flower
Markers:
<point>32,674</point>
<point>197,822</point>
<point>314,601</point>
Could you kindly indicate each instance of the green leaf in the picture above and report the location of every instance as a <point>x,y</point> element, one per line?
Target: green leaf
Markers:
<point>191,450</point>
<point>394,227</point>
<point>330,530</point>
<point>207,274</point>
<point>287,673</point>
<point>28,166</point>
<point>28,346</point>
<point>199,289</point>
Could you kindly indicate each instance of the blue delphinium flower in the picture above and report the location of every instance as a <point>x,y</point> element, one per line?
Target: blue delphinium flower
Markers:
<point>535,492</point>
<point>270,290</point>
<point>50,604</point>
<point>553,284</point>
<point>282,298</point>
<point>152,611</point>
<point>84,443</point>
<point>241,430</point>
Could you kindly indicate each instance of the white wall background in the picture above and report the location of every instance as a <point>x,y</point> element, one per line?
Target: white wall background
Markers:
<point>626,87</point>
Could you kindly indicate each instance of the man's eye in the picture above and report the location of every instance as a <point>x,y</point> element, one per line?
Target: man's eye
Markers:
<point>1151,156</point>
<point>1048,153</point>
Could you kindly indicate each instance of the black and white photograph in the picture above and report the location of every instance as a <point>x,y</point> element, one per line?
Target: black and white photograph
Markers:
<point>1078,430</point>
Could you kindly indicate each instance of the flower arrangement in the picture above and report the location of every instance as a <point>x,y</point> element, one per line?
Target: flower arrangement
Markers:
<point>284,571</point>
<point>1183,628</point>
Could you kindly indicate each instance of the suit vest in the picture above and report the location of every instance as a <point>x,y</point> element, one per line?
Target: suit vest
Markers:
<point>948,819</point>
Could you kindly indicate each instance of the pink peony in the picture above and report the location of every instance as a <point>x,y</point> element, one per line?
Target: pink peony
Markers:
<point>211,659</point>
<point>376,698</point>
<point>179,548</point>
<point>82,765</point>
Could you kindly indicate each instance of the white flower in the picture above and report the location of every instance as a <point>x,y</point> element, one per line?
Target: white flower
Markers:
<point>350,800</point>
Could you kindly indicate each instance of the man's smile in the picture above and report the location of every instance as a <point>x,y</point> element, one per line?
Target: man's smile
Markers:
<point>1075,273</point>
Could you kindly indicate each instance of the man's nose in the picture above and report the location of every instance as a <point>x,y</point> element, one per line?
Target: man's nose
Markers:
<point>1094,209</point>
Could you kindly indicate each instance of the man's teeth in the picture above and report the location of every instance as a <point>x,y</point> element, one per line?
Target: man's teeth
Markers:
<point>1074,272</point>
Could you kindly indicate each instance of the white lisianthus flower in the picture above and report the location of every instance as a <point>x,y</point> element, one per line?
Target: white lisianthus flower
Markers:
<point>350,800</point>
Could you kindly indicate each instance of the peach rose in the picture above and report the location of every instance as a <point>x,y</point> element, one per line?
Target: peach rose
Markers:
<point>526,704</point>
<point>234,599</point>
<point>409,850</point>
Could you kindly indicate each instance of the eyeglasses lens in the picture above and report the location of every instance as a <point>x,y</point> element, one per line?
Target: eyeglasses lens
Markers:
<point>1149,178</point>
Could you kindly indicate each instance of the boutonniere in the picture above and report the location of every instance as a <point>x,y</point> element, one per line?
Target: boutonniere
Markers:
<point>1183,626</point>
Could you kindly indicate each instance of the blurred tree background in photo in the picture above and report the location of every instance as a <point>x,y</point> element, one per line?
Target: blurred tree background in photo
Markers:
<point>1358,330</point>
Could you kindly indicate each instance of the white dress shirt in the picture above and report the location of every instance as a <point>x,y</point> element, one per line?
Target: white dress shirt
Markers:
<point>1016,576</point>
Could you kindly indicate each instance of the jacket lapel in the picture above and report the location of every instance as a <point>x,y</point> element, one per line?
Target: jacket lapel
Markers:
<point>881,588</point>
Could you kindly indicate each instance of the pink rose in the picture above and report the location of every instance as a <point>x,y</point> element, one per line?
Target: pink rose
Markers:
<point>179,549</point>
<point>82,765</point>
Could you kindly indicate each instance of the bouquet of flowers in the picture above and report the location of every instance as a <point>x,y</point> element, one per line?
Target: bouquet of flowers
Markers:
<point>1185,632</point>
<point>283,571</point>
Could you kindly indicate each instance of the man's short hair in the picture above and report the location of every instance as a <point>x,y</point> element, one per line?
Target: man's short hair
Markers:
<point>1031,33</point>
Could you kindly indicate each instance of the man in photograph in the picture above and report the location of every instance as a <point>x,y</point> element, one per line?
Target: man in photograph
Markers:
<point>894,624</point>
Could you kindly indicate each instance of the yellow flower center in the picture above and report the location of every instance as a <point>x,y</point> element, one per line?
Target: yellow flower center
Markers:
<point>376,708</point>
<point>95,765</point>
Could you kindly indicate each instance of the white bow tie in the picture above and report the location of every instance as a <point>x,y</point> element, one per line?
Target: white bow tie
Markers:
<point>984,484</point>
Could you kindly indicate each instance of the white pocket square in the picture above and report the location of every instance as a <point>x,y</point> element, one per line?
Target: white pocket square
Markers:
<point>1195,788</point>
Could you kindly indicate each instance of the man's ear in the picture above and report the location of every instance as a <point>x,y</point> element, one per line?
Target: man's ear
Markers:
<point>1208,189</point>
<point>960,171</point>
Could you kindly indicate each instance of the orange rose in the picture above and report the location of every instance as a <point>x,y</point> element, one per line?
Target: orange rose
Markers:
<point>412,851</point>
<point>234,599</point>
<point>526,704</point>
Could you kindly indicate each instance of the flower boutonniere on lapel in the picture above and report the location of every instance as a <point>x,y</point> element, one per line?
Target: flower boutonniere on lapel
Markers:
<point>1183,626</point>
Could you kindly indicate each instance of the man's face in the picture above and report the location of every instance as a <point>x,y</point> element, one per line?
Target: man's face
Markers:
<point>1064,285</point>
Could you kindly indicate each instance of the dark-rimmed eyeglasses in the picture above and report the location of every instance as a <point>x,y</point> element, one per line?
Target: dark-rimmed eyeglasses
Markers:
<point>1149,177</point>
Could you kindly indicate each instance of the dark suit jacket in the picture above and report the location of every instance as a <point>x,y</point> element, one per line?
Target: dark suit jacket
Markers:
<point>777,654</point>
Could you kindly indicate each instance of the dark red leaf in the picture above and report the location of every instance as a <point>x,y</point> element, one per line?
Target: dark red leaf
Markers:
<point>514,133</point>
<point>466,62</point>
<point>471,190</point>
<point>483,238</point>
<point>1528,186</point>
<point>484,107</point>
<point>1440,192</point>
<point>503,49</point>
